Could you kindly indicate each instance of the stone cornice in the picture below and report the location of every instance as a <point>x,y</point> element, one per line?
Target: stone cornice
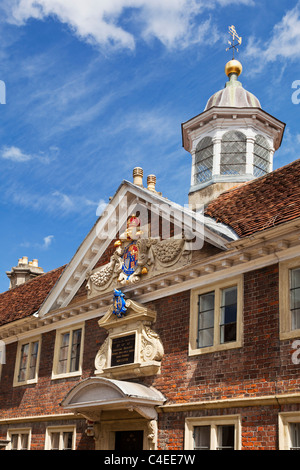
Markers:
<point>265,248</point>
<point>266,400</point>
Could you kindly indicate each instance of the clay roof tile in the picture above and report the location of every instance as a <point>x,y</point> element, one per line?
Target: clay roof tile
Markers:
<point>26,299</point>
<point>268,201</point>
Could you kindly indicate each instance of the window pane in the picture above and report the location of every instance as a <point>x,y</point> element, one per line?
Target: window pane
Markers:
<point>14,441</point>
<point>295,436</point>
<point>295,298</point>
<point>296,319</point>
<point>225,437</point>
<point>23,362</point>
<point>54,440</point>
<point>33,360</point>
<point>206,338</point>
<point>295,278</point>
<point>204,160</point>
<point>261,156</point>
<point>228,315</point>
<point>63,353</point>
<point>206,320</point>
<point>75,352</point>
<point>24,441</point>
<point>202,438</point>
<point>233,153</point>
<point>67,440</point>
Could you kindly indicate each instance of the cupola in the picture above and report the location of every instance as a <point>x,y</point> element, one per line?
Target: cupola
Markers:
<point>231,142</point>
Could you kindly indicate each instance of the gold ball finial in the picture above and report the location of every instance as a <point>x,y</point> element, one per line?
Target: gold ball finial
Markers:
<point>233,66</point>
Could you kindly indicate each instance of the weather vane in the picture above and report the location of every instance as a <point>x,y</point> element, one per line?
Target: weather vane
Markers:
<point>235,37</point>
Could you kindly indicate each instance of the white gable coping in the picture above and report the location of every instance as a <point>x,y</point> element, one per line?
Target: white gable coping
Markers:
<point>94,245</point>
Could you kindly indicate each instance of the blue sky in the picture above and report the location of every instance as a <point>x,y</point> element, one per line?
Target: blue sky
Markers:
<point>97,87</point>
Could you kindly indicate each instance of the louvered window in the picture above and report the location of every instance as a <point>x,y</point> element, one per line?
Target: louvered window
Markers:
<point>204,160</point>
<point>233,154</point>
<point>261,159</point>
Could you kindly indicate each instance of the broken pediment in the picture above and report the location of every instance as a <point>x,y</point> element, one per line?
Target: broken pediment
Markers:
<point>132,348</point>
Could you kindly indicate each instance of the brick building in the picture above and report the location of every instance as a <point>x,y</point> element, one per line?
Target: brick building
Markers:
<point>171,327</point>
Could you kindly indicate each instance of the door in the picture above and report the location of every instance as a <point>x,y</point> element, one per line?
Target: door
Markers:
<point>129,440</point>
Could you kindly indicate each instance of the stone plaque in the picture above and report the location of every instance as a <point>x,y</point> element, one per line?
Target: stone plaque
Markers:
<point>122,350</point>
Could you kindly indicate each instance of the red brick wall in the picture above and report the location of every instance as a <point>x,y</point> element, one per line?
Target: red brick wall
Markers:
<point>259,427</point>
<point>44,397</point>
<point>263,366</point>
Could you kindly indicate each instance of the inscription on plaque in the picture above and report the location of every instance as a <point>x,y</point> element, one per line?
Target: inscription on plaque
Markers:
<point>122,350</point>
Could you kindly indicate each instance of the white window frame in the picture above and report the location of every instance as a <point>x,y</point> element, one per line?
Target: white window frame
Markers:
<point>194,313</point>
<point>58,339</point>
<point>284,420</point>
<point>285,317</point>
<point>60,430</point>
<point>19,432</point>
<point>213,422</point>
<point>30,341</point>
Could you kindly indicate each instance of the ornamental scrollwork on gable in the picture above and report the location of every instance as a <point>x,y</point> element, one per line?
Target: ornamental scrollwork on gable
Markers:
<point>137,258</point>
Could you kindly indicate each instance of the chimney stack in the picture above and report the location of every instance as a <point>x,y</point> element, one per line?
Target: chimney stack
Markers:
<point>24,271</point>
<point>138,176</point>
<point>151,183</point>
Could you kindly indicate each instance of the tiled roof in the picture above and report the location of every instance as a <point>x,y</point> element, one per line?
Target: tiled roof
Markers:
<point>26,299</point>
<point>251,207</point>
<point>260,204</point>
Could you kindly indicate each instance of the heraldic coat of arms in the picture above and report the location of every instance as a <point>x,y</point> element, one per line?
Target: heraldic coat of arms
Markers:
<point>136,256</point>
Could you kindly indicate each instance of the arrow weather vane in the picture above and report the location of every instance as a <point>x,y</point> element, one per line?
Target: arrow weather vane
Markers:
<point>232,44</point>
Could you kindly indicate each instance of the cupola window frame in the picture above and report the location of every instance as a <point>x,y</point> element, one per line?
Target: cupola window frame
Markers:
<point>204,156</point>
<point>233,153</point>
<point>261,156</point>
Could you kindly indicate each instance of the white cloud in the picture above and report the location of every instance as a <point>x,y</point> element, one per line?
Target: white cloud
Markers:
<point>57,202</point>
<point>173,22</point>
<point>101,206</point>
<point>156,124</point>
<point>284,42</point>
<point>289,150</point>
<point>15,154</point>
<point>47,241</point>
<point>67,204</point>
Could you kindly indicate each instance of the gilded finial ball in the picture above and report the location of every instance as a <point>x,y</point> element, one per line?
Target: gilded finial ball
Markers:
<point>233,66</point>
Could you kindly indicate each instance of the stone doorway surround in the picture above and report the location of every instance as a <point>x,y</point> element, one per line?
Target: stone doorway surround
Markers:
<point>116,405</point>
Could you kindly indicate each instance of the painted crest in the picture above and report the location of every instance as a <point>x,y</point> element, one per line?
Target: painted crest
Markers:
<point>130,259</point>
<point>136,256</point>
<point>119,304</point>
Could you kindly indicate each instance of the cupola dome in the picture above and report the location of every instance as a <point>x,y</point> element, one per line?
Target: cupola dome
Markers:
<point>233,94</point>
